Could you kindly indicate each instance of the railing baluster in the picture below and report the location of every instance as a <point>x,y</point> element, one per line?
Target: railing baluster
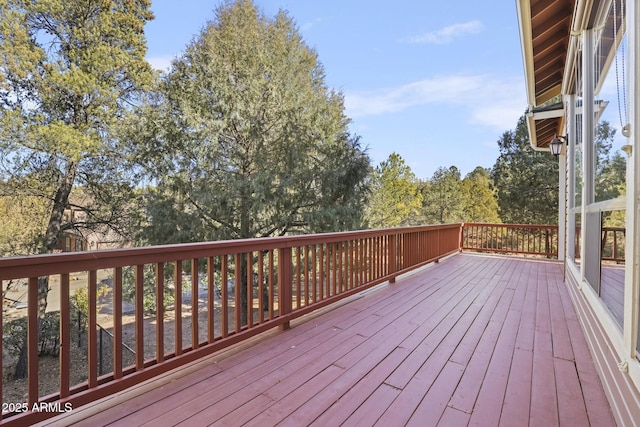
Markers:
<point>260,287</point>
<point>314,263</point>
<point>139,284</point>
<point>285,279</point>
<point>249,289</point>
<point>307,296</point>
<point>225,295</point>
<point>392,258</point>
<point>92,337</point>
<point>117,323</point>
<point>195,338</point>
<point>368,258</point>
<point>334,260</point>
<point>159,312</point>
<point>177,326</point>
<point>298,269</point>
<point>380,256</point>
<point>352,264</point>
<point>272,284</point>
<point>237,279</point>
<point>211,299</point>
<point>65,335</point>
<point>376,257</point>
<point>32,340</point>
<point>338,286</point>
<point>324,269</point>
<point>362,266</point>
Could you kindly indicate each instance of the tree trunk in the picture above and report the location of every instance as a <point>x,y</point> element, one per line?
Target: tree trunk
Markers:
<point>21,368</point>
<point>50,240</point>
<point>54,227</point>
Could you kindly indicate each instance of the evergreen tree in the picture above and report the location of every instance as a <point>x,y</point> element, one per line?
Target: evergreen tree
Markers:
<point>443,197</point>
<point>22,220</point>
<point>68,73</point>
<point>480,204</point>
<point>395,197</point>
<point>526,180</point>
<point>610,167</point>
<point>246,140</point>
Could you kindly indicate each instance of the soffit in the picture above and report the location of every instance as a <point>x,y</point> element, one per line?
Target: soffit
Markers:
<point>545,32</point>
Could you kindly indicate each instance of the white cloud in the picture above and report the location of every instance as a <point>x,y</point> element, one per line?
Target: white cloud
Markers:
<point>438,89</point>
<point>308,25</point>
<point>447,34</point>
<point>161,63</point>
<point>490,101</point>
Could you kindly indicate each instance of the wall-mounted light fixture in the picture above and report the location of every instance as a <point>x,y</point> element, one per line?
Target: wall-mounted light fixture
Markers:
<point>556,144</point>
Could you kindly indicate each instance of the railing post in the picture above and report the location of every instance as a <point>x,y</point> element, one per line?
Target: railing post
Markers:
<point>92,318</point>
<point>32,340</point>
<point>285,274</point>
<point>65,338</point>
<point>392,257</point>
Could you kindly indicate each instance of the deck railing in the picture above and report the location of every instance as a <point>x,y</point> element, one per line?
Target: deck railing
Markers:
<point>538,240</point>
<point>191,300</point>
<point>612,244</point>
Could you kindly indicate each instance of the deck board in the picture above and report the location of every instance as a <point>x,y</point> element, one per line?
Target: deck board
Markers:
<point>473,340</point>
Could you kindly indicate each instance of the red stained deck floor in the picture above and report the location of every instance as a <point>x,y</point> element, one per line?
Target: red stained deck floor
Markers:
<point>474,340</point>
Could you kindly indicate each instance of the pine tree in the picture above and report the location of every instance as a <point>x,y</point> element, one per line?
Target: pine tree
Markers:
<point>443,197</point>
<point>246,140</point>
<point>480,204</point>
<point>526,180</point>
<point>395,198</point>
<point>69,70</point>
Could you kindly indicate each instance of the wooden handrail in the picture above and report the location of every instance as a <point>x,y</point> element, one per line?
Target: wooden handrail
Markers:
<point>522,239</point>
<point>617,253</point>
<point>289,276</point>
<point>614,245</point>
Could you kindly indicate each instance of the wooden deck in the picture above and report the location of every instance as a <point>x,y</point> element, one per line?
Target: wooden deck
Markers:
<point>473,340</point>
<point>612,290</point>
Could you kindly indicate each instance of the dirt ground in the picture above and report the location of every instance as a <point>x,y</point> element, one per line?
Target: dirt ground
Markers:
<point>15,391</point>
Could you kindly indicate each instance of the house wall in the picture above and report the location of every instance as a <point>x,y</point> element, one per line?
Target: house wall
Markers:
<point>613,336</point>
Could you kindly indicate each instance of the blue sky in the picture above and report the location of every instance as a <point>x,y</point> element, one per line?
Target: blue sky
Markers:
<point>436,81</point>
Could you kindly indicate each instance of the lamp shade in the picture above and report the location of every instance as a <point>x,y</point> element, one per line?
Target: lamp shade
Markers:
<point>556,145</point>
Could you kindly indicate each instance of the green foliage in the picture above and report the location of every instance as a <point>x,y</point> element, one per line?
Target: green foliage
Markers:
<point>14,335</point>
<point>610,173</point>
<point>80,299</point>
<point>395,197</point>
<point>526,181</point>
<point>244,139</point>
<point>148,287</point>
<point>69,71</point>
<point>479,196</point>
<point>398,198</point>
<point>443,197</point>
<point>23,220</point>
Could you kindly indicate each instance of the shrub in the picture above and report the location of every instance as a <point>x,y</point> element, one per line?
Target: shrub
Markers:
<point>15,335</point>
